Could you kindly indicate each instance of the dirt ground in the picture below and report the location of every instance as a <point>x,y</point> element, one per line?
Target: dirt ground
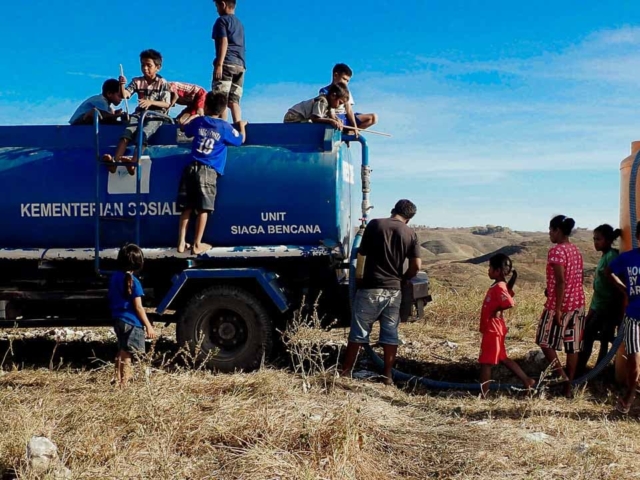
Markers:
<point>295,419</point>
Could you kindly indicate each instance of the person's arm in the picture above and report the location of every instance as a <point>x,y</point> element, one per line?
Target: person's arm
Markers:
<point>512,282</point>
<point>221,40</point>
<point>189,129</point>
<point>222,45</point>
<point>415,261</point>
<point>321,111</point>
<point>174,99</point>
<point>105,115</point>
<point>415,264</point>
<point>164,102</point>
<point>242,126</point>
<point>126,91</point>
<point>142,316</point>
<point>335,123</point>
<point>558,273</point>
<point>352,118</point>
<point>199,100</point>
<point>615,280</point>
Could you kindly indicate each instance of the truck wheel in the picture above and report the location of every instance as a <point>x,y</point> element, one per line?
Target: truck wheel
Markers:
<point>228,327</point>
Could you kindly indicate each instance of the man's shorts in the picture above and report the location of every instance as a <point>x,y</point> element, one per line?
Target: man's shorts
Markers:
<point>632,335</point>
<point>492,349</point>
<point>294,117</point>
<point>371,305</point>
<point>198,187</point>
<point>231,83</point>
<point>130,338</point>
<point>151,126</point>
<point>345,120</point>
<point>551,335</point>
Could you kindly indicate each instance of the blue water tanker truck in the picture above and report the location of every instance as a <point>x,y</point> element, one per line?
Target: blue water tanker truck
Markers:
<point>284,229</point>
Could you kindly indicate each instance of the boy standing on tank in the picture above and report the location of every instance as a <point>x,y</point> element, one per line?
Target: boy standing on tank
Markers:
<point>197,193</point>
<point>344,113</point>
<point>153,94</point>
<point>229,65</point>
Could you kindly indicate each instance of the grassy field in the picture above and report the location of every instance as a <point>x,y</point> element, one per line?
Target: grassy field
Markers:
<point>297,420</point>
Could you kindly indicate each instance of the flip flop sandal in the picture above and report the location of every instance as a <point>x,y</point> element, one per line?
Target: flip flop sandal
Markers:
<point>622,408</point>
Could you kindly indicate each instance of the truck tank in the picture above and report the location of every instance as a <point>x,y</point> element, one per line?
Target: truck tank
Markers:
<point>283,233</point>
<point>288,185</point>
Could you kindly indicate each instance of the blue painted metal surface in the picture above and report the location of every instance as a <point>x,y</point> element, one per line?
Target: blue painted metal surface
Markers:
<point>287,186</point>
<point>267,281</point>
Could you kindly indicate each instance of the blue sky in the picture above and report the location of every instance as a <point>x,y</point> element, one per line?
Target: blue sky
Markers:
<point>501,112</point>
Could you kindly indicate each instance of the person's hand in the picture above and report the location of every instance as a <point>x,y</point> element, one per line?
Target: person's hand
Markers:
<point>512,280</point>
<point>149,332</point>
<point>337,124</point>
<point>588,318</point>
<point>200,112</point>
<point>145,103</point>
<point>218,72</point>
<point>242,123</point>
<point>122,79</point>
<point>558,318</point>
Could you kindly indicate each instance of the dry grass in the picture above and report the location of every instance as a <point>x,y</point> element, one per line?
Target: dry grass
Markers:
<point>308,424</point>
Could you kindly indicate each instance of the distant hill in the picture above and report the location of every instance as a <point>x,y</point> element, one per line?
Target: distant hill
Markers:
<point>460,256</point>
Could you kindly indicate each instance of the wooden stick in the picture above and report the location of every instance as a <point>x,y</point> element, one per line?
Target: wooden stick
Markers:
<point>126,103</point>
<point>366,131</point>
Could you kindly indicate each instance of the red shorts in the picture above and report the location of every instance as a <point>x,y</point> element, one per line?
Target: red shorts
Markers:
<point>492,349</point>
<point>196,103</point>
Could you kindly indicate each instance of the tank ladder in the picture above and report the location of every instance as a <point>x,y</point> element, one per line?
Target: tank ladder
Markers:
<point>100,166</point>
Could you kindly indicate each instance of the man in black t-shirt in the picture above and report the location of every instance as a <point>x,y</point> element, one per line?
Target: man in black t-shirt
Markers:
<point>386,245</point>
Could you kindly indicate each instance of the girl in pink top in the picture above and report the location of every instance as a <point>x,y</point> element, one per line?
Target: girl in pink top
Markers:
<point>562,321</point>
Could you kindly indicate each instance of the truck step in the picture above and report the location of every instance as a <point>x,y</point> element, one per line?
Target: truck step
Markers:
<point>56,322</point>
<point>99,294</point>
<point>117,219</point>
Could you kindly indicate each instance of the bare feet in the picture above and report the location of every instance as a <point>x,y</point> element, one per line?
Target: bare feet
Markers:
<point>183,247</point>
<point>131,169</point>
<point>388,381</point>
<point>530,383</point>
<point>567,390</point>
<point>201,248</point>
<point>108,158</point>
<point>623,407</point>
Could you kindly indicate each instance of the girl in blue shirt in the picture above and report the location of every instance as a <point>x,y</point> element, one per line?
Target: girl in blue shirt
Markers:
<point>130,320</point>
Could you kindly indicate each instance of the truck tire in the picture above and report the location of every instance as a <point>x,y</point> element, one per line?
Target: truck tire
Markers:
<point>227,327</point>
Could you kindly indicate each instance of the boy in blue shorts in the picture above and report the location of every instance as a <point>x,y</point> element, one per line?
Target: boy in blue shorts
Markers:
<point>154,94</point>
<point>197,192</point>
<point>342,75</point>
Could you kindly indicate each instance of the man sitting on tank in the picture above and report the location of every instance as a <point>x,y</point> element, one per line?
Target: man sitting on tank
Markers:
<point>110,96</point>
<point>197,193</point>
